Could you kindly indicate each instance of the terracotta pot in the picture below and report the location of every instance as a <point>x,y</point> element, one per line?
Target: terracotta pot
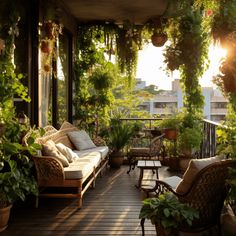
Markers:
<point>4,217</point>
<point>45,47</point>
<point>230,85</point>
<point>170,133</point>
<point>160,230</point>
<point>159,39</point>
<point>116,159</point>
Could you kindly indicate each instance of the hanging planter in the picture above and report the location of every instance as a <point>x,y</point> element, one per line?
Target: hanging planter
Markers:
<point>159,39</point>
<point>45,46</point>
<point>230,84</point>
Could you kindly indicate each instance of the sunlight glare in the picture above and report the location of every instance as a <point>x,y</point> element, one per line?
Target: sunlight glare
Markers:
<point>151,67</point>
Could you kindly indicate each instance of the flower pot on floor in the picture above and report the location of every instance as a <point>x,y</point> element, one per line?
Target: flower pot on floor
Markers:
<point>4,217</point>
<point>116,159</point>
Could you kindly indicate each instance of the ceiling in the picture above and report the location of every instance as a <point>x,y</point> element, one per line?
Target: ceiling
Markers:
<point>137,11</point>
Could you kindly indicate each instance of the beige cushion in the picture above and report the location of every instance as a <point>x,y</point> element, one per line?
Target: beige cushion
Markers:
<point>50,149</point>
<point>67,152</point>
<point>173,181</point>
<point>83,166</point>
<point>195,165</point>
<point>102,150</point>
<point>67,125</point>
<point>81,140</point>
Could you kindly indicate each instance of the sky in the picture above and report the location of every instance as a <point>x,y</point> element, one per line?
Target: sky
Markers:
<point>151,67</point>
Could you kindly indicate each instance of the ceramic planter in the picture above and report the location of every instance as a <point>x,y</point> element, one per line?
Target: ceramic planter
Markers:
<point>116,159</point>
<point>159,39</point>
<point>45,46</point>
<point>170,133</point>
<point>4,217</point>
<point>230,85</point>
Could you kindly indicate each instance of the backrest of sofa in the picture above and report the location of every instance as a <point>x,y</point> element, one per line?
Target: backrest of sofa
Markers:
<point>59,136</point>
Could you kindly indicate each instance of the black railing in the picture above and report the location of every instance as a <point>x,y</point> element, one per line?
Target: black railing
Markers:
<point>209,142</point>
<point>208,146</point>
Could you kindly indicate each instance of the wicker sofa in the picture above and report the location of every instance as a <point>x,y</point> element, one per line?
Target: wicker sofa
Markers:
<point>76,177</point>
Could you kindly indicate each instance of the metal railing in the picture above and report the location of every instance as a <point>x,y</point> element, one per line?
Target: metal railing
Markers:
<point>209,141</point>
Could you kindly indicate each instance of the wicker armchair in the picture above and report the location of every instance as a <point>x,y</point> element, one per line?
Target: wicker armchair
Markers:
<point>145,153</point>
<point>206,194</point>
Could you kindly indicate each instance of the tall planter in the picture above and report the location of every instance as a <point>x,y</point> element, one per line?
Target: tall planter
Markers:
<point>4,217</point>
<point>116,159</point>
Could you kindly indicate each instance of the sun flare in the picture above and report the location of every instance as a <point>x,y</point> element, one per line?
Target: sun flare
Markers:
<point>151,66</point>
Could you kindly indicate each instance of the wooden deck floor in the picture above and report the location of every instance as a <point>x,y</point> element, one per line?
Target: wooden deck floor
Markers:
<point>112,208</point>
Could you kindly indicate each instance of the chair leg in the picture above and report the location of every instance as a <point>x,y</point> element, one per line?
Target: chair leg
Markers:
<point>142,226</point>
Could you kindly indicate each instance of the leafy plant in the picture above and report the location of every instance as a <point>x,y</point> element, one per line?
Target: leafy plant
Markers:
<point>169,123</point>
<point>166,211</point>
<point>16,169</point>
<point>120,134</point>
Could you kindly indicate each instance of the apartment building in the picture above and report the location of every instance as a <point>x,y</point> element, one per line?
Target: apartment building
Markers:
<point>169,101</point>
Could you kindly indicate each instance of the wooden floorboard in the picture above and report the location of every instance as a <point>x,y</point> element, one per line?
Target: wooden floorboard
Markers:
<point>112,208</point>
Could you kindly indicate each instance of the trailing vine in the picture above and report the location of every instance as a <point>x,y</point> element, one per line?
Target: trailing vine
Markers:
<point>188,52</point>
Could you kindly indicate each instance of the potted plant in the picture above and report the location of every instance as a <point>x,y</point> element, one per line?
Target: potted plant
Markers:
<point>16,176</point>
<point>119,137</point>
<point>167,213</point>
<point>170,127</point>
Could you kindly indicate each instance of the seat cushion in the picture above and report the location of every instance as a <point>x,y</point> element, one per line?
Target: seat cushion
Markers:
<point>173,181</point>
<point>81,140</point>
<point>195,165</point>
<point>83,166</point>
<point>102,150</point>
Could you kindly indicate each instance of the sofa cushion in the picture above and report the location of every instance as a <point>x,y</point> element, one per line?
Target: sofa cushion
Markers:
<point>82,167</point>
<point>81,140</point>
<point>49,149</point>
<point>173,181</point>
<point>67,152</point>
<point>195,165</point>
<point>103,150</point>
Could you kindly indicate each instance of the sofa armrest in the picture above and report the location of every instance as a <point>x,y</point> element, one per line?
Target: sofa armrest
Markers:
<point>49,170</point>
<point>98,141</point>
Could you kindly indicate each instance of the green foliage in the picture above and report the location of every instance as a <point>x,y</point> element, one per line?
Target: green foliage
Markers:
<point>226,135</point>
<point>188,52</point>
<point>120,134</point>
<point>16,168</point>
<point>170,123</point>
<point>167,212</point>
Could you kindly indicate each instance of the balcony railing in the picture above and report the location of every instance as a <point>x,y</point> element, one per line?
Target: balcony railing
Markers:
<point>209,140</point>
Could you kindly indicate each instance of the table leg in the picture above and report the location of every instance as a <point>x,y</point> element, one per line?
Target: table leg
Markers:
<point>157,173</point>
<point>140,178</point>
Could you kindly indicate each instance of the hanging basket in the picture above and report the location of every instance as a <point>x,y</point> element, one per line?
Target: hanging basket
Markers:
<point>159,39</point>
<point>230,85</point>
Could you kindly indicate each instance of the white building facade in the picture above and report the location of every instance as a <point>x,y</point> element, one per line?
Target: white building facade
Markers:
<point>170,101</point>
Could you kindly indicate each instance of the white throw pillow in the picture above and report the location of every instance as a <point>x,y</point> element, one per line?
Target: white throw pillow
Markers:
<point>50,149</point>
<point>67,152</point>
<point>81,140</point>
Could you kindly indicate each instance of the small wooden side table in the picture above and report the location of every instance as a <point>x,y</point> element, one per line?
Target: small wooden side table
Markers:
<point>147,165</point>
